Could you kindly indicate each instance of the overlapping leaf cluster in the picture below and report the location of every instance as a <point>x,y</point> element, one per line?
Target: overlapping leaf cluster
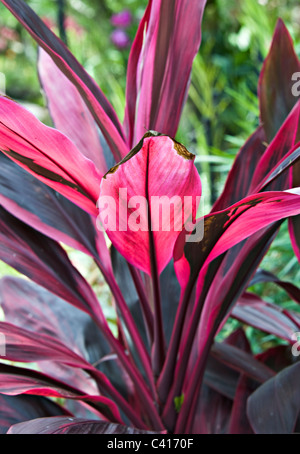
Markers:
<point>164,371</point>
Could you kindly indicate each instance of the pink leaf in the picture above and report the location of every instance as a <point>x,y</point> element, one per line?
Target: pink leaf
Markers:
<point>132,191</point>
<point>69,112</point>
<point>48,155</point>
<point>160,65</point>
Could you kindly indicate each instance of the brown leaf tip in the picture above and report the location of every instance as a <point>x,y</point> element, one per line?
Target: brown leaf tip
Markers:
<point>182,151</point>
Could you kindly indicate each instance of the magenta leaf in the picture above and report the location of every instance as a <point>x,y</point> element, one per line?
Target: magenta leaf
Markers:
<point>259,167</point>
<point>265,276</point>
<point>23,345</point>
<point>159,67</point>
<point>27,305</point>
<point>240,176</point>
<point>95,100</point>
<point>48,155</point>
<point>225,229</point>
<point>164,172</point>
<point>275,83</point>
<point>265,316</point>
<point>277,99</point>
<point>241,361</point>
<point>280,148</point>
<point>69,425</point>
<point>214,299</point>
<point>20,380</point>
<point>69,113</point>
<point>31,307</point>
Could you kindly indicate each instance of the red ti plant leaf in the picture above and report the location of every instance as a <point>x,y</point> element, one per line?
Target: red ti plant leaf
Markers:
<point>158,169</point>
<point>239,423</point>
<point>29,306</point>
<point>240,176</point>
<point>48,155</point>
<point>260,167</point>
<point>274,407</point>
<point>277,98</point>
<point>51,213</point>
<point>69,113</point>
<point>45,262</point>
<point>265,276</point>
<point>159,66</point>
<point>226,234</point>
<point>20,380</point>
<point>281,147</point>
<point>208,421</point>
<point>265,316</point>
<point>23,345</point>
<point>95,100</point>
<point>16,409</point>
<point>275,83</point>
<point>69,425</point>
<point>136,198</point>
<point>225,229</point>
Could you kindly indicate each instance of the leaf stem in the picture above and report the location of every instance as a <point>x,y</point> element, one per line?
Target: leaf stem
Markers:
<point>131,326</point>
<point>146,310</point>
<point>167,374</point>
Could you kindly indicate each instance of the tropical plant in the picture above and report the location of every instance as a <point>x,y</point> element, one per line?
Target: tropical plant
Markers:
<point>161,367</point>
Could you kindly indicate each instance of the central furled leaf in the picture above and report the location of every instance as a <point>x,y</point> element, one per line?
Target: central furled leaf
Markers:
<point>147,198</point>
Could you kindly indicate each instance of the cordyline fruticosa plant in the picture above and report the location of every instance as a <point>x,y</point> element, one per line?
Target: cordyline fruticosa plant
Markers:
<point>163,370</point>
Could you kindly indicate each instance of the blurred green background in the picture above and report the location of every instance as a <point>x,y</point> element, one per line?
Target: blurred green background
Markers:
<point>222,108</point>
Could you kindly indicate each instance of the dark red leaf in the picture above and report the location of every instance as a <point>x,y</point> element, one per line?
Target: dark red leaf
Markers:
<point>45,262</point>
<point>265,316</point>
<point>240,176</point>
<point>274,407</point>
<point>69,113</point>
<point>20,380</point>
<point>159,66</point>
<point>48,155</point>
<point>37,205</point>
<point>275,83</point>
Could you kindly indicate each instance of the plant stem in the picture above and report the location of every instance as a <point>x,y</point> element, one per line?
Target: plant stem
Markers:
<point>132,329</point>
<point>187,412</point>
<point>147,313</point>
<point>158,347</point>
<point>141,388</point>
<point>108,388</point>
<point>167,374</point>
